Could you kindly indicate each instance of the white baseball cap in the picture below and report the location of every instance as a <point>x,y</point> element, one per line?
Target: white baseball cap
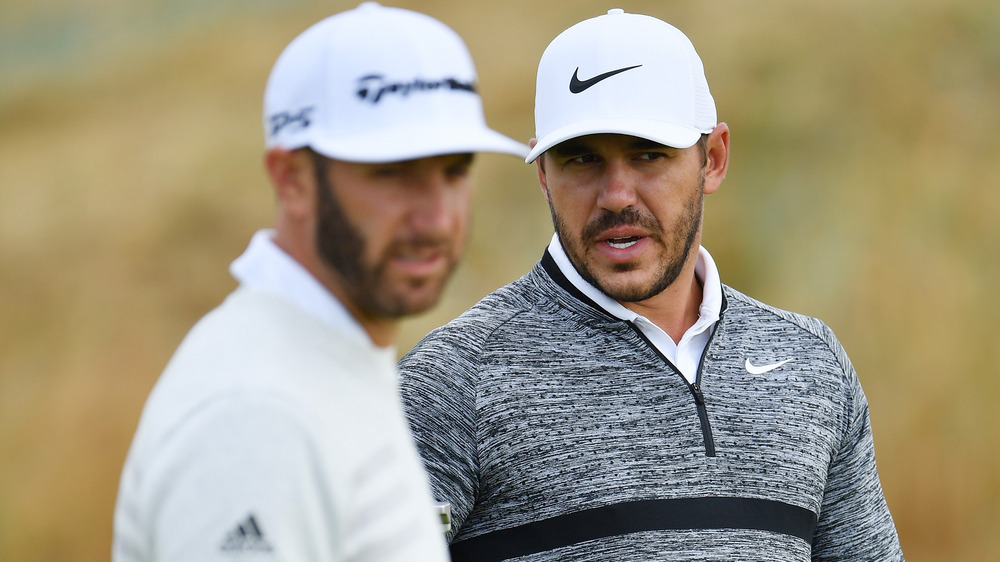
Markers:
<point>621,73</point>
<point>378,84</point>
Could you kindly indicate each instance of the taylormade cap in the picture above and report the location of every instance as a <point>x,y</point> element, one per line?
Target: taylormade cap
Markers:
<point>378,84</point>
<point>621,73</point>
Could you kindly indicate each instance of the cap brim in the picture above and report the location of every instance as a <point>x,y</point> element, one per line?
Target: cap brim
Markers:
<point>410,145</point>
<point>663,133</point>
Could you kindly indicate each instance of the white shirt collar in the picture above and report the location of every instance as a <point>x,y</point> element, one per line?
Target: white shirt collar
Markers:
<point>684,354</point>
<point>266,267</point>
<point>705,270</point>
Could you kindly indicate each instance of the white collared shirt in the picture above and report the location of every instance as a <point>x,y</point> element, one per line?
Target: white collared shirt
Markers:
<point>266,267</point>
<point>686,354</point>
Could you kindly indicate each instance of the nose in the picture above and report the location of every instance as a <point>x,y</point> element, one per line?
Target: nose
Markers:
<point>618,188</point>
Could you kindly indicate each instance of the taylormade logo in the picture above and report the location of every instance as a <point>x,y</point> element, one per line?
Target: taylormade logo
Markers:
<point>371,88</point>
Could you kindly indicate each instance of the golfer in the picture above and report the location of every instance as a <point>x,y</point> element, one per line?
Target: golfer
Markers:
<point>619,402</point>
<point>275,432</point>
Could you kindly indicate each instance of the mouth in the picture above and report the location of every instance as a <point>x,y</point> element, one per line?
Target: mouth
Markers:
<point>624,246</point>
<point>417,256</point>
<point>420,261</point>
<point>620,243</point>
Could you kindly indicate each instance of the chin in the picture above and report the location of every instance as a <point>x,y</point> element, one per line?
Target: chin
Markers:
<point>626,290</point>
<point>412,300</point>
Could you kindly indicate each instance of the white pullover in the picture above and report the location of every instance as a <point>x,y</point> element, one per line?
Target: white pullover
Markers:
<point>275,433</point>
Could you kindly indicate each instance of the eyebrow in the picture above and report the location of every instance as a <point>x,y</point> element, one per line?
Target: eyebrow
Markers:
<point>571,148</point>
<point>640,144</point>
<point>575,147</point>
<point>460,158</point>
<point>467,157</point>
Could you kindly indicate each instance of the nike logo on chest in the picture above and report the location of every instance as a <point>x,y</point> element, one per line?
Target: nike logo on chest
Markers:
<point>759,370</point>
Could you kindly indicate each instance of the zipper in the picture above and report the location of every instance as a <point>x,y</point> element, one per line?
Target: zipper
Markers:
<point>706,428</point>
<point>549,264</point>
<point>695,387</point>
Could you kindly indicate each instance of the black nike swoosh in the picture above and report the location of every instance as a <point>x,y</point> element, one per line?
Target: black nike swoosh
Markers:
<point>576,85</point>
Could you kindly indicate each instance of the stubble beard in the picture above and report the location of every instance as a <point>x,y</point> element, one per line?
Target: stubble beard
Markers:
<point>341,246</point>
<point>678,244</point>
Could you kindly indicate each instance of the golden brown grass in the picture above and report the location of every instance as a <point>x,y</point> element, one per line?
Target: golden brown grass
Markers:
<point>864,189</point>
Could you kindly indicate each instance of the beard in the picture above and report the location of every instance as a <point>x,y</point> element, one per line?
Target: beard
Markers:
<point>676,247</point>
<point>343,247</point>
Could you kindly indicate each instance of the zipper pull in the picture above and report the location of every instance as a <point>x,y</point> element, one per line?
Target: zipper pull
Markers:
<point>698,396</point>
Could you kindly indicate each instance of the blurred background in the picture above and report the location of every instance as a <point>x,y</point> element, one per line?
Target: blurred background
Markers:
<point>864,189</point>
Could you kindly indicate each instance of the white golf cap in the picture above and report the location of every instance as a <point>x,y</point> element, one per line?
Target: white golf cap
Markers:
<point>621,73</point>
<point>378,84</point>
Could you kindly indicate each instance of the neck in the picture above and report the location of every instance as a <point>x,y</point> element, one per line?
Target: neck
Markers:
<point>381,330</point>
<point>676,308</point>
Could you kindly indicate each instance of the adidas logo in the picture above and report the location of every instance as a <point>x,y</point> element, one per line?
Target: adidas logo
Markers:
<point>246,537</point>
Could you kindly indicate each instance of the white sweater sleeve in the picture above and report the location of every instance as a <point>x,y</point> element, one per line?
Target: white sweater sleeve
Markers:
<point>243,479</point>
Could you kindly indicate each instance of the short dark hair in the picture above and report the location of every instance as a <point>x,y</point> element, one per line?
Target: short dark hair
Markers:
<point>703,145</point>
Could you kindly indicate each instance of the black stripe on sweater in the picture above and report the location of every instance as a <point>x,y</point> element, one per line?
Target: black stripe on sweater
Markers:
<point>552,268</point>
<point>634,517</point>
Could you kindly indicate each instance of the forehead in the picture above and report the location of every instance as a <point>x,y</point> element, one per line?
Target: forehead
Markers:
<point>604,141</point>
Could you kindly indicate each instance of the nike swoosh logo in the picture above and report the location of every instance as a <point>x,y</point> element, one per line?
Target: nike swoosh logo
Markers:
<point>576,85</point>
<point>755,370</point>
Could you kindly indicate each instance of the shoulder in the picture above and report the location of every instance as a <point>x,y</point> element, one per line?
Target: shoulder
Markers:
<point>255,356</point>
<point>776,334</point>
<point>266,455</point>
<point>753,316</point>
<point>474,328</point>
<point>259,338</point>
<point>817,363</point>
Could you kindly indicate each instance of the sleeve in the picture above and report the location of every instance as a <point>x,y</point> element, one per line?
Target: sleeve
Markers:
<point>439,396</point>
<point>854,521</point>
<point>241,481</point>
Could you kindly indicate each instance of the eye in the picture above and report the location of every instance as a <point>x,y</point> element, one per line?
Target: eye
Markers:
<point>387,171</point>
<point>584,159</point>
<point>458,171</point>
<point>651,155</point>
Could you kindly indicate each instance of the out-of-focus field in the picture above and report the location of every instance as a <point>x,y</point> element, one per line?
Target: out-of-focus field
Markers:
<point>864,188</point>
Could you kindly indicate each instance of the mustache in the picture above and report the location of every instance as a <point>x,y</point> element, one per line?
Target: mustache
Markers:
<point>422,242</point>
<point>628,216</point>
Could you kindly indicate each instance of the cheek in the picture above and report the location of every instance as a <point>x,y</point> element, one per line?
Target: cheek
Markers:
<point>573,207</point>
<point>459,205</point>
<point>377,221</point>
<point>461,216</point>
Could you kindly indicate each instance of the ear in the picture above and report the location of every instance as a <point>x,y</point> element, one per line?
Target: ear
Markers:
<point>717,161</point>
<point>540,168</point>
<point>291,174</point>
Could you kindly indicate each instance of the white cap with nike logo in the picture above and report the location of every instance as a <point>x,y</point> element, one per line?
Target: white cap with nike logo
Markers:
<point>622,73</point>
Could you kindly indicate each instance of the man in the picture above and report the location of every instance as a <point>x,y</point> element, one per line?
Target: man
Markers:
<point>276,433</point>
<point>618,402</point>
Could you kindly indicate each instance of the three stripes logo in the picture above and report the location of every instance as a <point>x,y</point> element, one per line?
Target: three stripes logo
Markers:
<point>246,537</point>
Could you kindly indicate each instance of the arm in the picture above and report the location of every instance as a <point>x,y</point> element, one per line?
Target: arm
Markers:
<point>854,522</point>
<point>242,479</point>
<point>439,396</point>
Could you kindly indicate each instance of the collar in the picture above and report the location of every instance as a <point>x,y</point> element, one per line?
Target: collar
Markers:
<point>265,267</point>
<point>705,270</point>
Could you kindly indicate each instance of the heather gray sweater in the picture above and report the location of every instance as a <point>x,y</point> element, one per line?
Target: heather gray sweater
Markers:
<point>557,432</point>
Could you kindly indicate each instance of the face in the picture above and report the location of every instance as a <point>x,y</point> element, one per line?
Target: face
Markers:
<point>627,210</point>
<point>391,234</point>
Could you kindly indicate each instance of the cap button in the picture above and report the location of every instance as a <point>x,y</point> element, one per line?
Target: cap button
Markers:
<point>615,11</point>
